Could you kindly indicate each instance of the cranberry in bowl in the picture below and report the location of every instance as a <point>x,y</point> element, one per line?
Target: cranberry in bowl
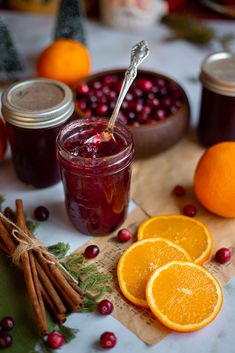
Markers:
<point>96,177</point>
<point>155,109</point>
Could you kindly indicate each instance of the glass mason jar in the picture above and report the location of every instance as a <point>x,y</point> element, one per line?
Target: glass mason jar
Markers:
<point>34,111</point>
<point>217,113</point>
<point>96,188</point>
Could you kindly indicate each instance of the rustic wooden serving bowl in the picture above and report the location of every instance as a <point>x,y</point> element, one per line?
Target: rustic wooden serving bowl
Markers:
<point>156,137</point>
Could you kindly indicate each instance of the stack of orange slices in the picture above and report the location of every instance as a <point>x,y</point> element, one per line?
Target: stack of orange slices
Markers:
<point>163,271</point>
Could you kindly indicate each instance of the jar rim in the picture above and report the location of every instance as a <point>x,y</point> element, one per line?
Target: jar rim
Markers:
<point>125,153</point>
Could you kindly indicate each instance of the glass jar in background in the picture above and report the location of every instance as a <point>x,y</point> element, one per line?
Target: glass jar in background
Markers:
<point>217,113</point>
<point>34,111</point>
<point>96,179</point>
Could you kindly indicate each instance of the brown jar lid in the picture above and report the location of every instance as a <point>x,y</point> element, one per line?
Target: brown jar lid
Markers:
<point>37,103</point>
<point>218,73</point>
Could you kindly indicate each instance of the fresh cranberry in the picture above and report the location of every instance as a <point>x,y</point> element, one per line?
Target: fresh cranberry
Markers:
<point>124,235</point>
<point>82,88</point>
<point>223,255</point>
<point>178,191</point>
<point>102,109</point>
<point>173,109</point>
<point>5,340</point>
<point>7,323</point>
<point>87,112</point>
<point>190,210</point>
<point>145,84</point>
<point>91,251</point>
<point>55,339</point>
<point>142,118</point>
<point>154,102</point>
<point>160,82</point>
<point>160,114</point>
<point>81,104</point>
<point>129,97</point>
<point>108,340</point>
<point>105,307</point>
<point>136,92</point>
<point>166,102</point>
<point>106,90</point>
<point>41,213</point>
<point>131,115</point>
<point>108,79</point>
<point>96,84</point>
<point>146,110</point>
<point>112,95</point>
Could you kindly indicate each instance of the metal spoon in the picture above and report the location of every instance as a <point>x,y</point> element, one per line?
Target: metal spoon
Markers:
<point>139,52</point>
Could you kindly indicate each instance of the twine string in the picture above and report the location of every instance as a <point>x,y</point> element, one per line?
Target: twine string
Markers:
<point>26,243</point>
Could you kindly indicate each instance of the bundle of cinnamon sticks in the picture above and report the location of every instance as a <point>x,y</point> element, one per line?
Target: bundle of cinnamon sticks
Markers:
<point>45,280</point>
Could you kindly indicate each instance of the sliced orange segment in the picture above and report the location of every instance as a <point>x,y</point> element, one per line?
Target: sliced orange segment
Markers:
<point>191,234</point>
<point>184,296</point>
<point>139,261</point>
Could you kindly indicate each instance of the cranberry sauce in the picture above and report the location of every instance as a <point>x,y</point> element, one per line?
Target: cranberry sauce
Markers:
<point>34,155</point>
<point>96,177</point>
<point>217,118</point>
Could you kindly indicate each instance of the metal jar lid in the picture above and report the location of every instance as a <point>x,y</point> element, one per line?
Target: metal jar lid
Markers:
<point>37,103</point>
<point>218,73</point>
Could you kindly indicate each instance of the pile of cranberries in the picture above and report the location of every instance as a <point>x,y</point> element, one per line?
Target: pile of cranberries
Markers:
<point>6,324</point>
<point>149,99</point>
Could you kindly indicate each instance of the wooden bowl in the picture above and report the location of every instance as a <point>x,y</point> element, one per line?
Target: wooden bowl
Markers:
<point>156,137</point>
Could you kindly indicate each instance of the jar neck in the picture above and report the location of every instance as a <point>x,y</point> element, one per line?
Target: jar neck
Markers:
<point>94,166</point>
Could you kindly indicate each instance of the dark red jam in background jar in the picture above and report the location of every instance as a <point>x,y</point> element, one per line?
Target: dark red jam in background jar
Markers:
<point>34,111</point>
<point>96,177</point>
<point>217,115</point>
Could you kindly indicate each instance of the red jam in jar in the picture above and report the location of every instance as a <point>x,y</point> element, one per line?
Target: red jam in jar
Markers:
<point>96,177</point>
<point>217,113</point>
<point>34,111</point>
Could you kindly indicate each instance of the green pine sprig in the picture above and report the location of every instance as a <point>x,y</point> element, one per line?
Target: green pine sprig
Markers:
<point>94,283</point>
<point>59,250</point>
<point>2,200</point>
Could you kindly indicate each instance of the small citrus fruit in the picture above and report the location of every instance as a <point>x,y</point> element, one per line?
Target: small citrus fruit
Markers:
<point>66,60</point>
<point>190,234</point>
<point>214,179</point>
<point>139,261</point>
<point>184,296</point>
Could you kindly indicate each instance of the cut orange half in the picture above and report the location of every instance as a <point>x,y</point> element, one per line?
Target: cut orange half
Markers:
<point>191,234</point>
<point>139,261</point>
<point>184,296</point>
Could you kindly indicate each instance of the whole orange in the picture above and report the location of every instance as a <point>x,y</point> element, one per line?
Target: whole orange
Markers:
<point>214,179</point>
<point>66,60</point>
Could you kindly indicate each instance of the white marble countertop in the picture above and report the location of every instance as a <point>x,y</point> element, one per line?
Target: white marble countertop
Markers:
<point>109,49</point>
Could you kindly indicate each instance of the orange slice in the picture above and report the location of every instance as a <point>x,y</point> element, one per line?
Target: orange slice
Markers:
<point>184,296</point>
<point>191,234</point>
<point>139,261</point>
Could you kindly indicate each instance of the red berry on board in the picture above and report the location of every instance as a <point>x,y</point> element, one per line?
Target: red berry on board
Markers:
<point>178,191</point>
<point>124,235</point>
<point>5,340</point>
<point>108,340</point>
<point>7,323</point>
<point>91,251</point>
<point>105,307</point>
<point>41,213</point>
<point>55,339</point>
<point>190,210</point>
<point>223,255</point>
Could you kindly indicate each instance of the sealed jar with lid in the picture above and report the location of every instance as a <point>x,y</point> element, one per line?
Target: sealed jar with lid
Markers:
<point>34,111</point>
<point>217,114</point>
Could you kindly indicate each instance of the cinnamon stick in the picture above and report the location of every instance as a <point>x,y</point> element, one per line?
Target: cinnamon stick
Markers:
<point>60,317</point>
<point>59,305</point>
<point>6,238</point>
<point>30,278</point>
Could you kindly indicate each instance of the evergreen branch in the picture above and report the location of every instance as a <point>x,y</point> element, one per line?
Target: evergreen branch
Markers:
<point>59,250</point>
<point>2,200</point>
<point>32,225</point>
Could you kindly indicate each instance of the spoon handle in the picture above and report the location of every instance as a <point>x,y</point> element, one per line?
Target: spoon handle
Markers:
<point>138,53</point>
